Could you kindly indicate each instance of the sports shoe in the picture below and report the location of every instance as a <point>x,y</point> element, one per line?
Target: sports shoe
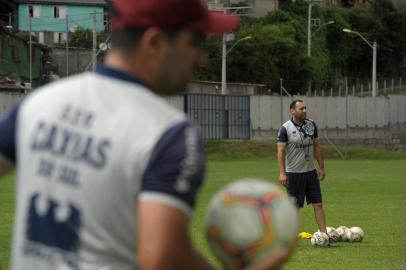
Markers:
<point>304,235</point>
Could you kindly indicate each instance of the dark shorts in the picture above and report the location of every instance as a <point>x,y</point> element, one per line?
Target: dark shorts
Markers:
<point>301,185</point>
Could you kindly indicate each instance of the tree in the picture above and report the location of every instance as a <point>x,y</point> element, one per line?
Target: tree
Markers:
<point>83,38</point>
<point>278,45</point>
<point>391,38</point>
<point>6,7</point>
<point>273,53</point>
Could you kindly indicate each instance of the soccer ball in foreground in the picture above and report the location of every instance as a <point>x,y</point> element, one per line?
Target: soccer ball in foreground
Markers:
<point>344,233</point>
<point>357,234</point>
<point>249,220</point>
<point>333,234</point>
<point>319,239</point>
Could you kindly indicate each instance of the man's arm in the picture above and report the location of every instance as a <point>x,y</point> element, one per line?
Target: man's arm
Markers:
<point>167,199</point>
<point>319,157</point>
<point>282,140</point>
<point>281,148</point>
<point>7,140</point>
<point>164,241</point>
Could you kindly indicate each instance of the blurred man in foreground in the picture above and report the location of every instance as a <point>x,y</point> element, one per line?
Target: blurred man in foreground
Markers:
<point>107,171</point>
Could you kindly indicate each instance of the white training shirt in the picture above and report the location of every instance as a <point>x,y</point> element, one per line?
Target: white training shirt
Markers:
<point>87,149</point>
<point>299,142</point>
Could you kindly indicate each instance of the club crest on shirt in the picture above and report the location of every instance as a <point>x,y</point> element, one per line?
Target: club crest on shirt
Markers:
<point>309,128</point>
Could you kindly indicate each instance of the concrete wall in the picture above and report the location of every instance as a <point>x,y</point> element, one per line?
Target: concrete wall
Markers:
<point>79,60</point>
<point>331,112</point>
<point>372,122</point>
<point>7,100</point>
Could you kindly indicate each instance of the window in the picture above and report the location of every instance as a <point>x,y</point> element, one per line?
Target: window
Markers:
<point>15,54</point>
<point>34,11</point>
<point>56,12</point>
<point>59,37</point>
<point>59,12</point>
<point>105,20</point>
<point>41,37</point>
<point>30,11</point>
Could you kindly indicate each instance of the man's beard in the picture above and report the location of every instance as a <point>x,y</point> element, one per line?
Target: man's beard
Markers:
<point>172,80</point>
<point>172,86</point>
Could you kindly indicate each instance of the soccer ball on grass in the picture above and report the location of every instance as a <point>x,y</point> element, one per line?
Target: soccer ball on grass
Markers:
<point>344,233</point>
<point>319,239</point>
<point>357,234</point>
<point>333,234</point>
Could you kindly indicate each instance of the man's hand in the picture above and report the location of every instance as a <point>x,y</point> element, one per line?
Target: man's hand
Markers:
<point>321,174</point>
<point>281,162</point>
<point>163,239</point>
<point>283,179</point>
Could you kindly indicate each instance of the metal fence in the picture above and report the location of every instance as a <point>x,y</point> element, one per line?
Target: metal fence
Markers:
<point>354,87</point>
<point>220,116</point>
<point>384,86</point>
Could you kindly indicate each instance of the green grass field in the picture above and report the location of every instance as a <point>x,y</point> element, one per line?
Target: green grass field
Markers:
<point>367,191</point>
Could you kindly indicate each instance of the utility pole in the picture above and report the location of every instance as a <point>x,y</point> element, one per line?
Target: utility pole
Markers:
<point>94,57</point>
<point>374,48</point>
<point>309,39</point>
<point>309,30</point>
<point>223,64</point>
<point>224,60</point>
<point>281,99</point>
<point>30,48</point>
<point>346,118</point>
<point>223,67</point>
<point>67,45</point>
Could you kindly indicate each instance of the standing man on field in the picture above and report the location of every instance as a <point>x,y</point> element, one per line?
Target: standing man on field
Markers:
<point>298,144</point>
<point>107,172</point>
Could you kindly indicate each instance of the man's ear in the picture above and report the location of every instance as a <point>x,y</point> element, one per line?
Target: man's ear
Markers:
<point>152,40</point>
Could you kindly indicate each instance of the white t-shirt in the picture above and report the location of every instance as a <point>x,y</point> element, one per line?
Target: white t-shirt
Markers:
<point>87,149</point>
<point>299,142</point>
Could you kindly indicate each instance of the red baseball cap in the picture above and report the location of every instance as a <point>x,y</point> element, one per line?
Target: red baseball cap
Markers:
<point>172,14</point>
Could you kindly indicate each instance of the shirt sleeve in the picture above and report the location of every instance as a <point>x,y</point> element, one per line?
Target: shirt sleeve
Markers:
<point>8,134</point>
<point>176,168</point>
<point>282,135</point>
<point>316,134</point>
